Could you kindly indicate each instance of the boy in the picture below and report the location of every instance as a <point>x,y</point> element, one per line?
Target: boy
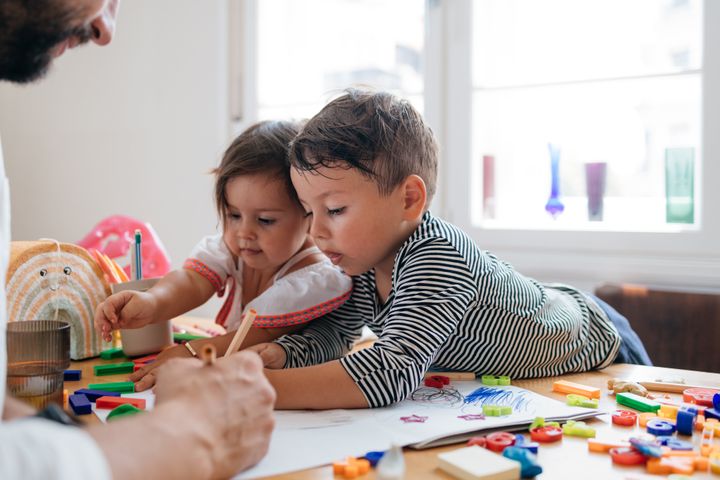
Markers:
<point>365,169</point>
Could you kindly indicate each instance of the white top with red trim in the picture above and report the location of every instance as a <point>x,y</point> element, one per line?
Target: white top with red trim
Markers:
<point>293,298</point>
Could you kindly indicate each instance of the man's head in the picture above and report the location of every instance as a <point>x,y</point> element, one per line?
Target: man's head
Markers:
<point>33,32</point>
<point>364,168</point>
<point>376,133</point>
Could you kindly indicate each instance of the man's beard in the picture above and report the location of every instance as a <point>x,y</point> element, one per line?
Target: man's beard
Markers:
<point>27,41</point>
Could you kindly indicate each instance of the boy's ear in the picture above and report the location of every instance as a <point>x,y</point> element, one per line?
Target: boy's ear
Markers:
<point>414,197</point>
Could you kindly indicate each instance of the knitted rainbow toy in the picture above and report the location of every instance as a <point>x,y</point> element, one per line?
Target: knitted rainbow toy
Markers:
<point>57,281</point>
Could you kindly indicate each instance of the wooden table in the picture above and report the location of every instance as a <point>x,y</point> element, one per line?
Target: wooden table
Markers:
<point>566,459</point>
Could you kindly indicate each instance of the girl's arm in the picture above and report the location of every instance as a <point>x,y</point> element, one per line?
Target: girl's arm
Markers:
<point>178,292</point>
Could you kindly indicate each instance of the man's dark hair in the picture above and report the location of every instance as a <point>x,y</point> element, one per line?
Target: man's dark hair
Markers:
<point>262,148</point>
<point>377,133</point>
<point>29,30</point>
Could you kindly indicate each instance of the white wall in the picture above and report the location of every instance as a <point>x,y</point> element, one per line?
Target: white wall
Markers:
<point>130,128</point>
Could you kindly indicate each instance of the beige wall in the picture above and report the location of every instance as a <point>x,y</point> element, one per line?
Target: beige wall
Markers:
<point>130,128</point>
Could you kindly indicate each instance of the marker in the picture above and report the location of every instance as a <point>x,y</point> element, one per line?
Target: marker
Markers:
<point>138,254</point>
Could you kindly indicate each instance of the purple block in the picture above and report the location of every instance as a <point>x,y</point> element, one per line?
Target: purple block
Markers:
<point>80,404</point>
<point>72,375</point>
<point>93,395</point>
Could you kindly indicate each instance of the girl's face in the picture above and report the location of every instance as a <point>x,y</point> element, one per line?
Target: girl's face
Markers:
<point>264,227</point>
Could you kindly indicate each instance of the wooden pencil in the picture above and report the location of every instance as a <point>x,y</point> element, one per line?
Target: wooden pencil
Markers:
<point>242,331</point>
<point>671,387</point>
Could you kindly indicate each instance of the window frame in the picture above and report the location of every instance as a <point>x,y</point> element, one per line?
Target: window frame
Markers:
<point>689,257</point>
<point>584,258</point>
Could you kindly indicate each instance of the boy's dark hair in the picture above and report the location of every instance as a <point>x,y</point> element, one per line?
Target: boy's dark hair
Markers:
<point>377,133</point>
<point>262,148</point>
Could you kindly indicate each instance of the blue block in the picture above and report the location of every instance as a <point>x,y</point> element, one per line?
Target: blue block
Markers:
<point>716,401</point>
<point>373,457</point>
<point>72,375</point>
<point>521,442</point>
<point>93,395</point>
<point>712,413</point>
<point>659,427</point>
<point>685,422</point>
<point>80,404</point>
<point>529,467</point>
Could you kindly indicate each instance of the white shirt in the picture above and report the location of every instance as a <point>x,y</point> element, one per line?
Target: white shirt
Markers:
<point>31,447</point>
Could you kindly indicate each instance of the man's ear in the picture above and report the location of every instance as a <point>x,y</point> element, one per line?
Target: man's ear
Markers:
<point>414,197</point>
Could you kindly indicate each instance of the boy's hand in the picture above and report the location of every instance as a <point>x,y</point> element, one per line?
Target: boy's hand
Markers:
<point>127,309</point>
<point>272,355</point>
<point>146,376</point>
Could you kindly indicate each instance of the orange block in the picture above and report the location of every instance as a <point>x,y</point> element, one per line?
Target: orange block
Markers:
<point>112,402</point>
<point>352,467</point>
<point>604,446</point>
<point>563,386</point>
<point>668,465</point>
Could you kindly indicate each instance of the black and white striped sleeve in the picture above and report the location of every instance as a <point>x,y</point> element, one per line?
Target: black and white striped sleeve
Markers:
<point>324,339</point>
<point>432,289</point>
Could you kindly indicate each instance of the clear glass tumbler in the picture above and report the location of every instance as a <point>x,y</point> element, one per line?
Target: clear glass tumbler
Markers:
<point>38,354</point>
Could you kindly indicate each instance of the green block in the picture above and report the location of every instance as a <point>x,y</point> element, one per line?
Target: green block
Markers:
<point>114,368</point>
<point>495,380</point>
<point>575,400</point>
<point>112,353</point>
<point>578,429</point>
<point>125,410</point>
<point>496,410</point>
<point>121,387</point>
<point>185,337</point>
<point>637,402</point>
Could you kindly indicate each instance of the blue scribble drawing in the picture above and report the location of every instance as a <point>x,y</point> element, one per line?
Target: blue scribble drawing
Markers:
<point>518,400</point>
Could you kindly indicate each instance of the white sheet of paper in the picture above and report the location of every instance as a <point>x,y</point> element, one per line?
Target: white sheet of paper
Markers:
<point>308,439</point>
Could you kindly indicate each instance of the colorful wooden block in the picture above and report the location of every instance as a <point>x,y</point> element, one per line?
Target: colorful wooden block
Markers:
<point>72,375</point>
<point>578,429</point>
<point>113,368</point>
<point>637,402</point>
<point>575,400</point>
<point>112,402</point>
<point>112,353</point>
<point>563,386</point>
<point>474,463</point>
<point>502,380</point>
<point>93,395</point>
<point>80,404</point>
<point>124,410</point>
<point>121,387</point>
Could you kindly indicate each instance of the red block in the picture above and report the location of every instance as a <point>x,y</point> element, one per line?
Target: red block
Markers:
<point>112,402</point>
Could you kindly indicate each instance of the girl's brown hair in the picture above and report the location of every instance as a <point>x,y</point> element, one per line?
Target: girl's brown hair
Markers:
<point>262,148</point>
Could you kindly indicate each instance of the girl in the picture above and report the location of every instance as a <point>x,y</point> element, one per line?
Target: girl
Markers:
<point>264,257</point>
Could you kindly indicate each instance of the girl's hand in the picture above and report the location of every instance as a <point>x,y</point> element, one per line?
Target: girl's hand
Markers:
<point>272,355</point>
<point>145,377</point>
<point>126,309</point>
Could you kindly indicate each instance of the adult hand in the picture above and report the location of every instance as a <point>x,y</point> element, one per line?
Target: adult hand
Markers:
<point>126,309</point>
<point>208,422</point>
<point>272,354</point>
<point>232,398</point>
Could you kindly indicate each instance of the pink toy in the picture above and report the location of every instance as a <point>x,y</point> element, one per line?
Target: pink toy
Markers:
<point>113,235</point>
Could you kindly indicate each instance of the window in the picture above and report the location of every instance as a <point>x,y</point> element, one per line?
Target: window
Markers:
<point>311,51</point>
<point>608,91</point>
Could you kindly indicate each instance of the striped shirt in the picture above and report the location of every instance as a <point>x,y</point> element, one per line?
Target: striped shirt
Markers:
<point>453,306</point>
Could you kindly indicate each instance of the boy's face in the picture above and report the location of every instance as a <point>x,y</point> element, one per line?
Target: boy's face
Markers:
<point>355,226</point>
<point>264,227</point>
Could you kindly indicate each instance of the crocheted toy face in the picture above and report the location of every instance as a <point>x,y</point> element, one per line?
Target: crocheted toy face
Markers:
<point>51,281</point>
